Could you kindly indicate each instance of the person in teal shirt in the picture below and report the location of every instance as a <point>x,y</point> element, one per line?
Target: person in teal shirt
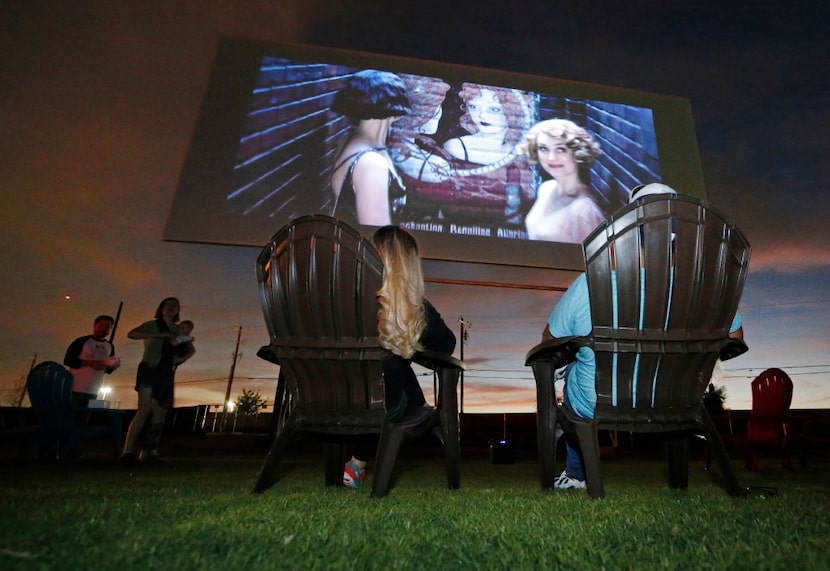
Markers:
<point>570,317</point>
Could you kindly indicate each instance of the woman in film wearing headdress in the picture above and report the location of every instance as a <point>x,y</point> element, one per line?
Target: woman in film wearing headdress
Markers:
<point>366,187</point>
<point>490,185</point>
<point>493,118</point>
<point>565,209</point>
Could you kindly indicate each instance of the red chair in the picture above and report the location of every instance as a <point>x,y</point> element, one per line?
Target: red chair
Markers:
<point>769,422</point>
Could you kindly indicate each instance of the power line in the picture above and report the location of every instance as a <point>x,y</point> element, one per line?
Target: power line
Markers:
<point>752,376</point>
<point>787,303</point>
<point>782,367</point>
<point>225,380</point>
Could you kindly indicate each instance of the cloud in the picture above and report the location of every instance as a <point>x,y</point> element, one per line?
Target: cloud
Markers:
<point>793,258</point>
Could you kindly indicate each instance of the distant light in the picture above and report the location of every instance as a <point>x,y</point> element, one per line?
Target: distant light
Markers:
<point>230,405</point>
<point>67,297</point>
<point>105,391</point>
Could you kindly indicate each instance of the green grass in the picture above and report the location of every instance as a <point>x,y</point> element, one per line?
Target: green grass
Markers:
<point>200,514</point>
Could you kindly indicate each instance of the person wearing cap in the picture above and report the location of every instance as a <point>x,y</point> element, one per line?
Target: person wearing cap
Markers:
<point>650,189</point>
<point>572,317</point>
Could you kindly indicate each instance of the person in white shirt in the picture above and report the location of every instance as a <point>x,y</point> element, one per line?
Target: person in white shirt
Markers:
<point>89,358</point>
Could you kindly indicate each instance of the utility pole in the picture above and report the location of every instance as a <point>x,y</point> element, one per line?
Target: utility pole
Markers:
<point>230,380</point>
<point>23,392</point>
<point>465,334</point>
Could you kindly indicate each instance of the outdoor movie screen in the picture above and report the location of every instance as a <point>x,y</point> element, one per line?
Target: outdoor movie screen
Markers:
<point>483,166</point>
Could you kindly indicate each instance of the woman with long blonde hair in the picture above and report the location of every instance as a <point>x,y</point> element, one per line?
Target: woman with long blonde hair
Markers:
<point>401,298</point>
<point>407,323</point>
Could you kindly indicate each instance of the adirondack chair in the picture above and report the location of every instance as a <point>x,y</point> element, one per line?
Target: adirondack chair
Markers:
<point>49,385</point>
<point>665,275</point>
<point>318,280</point>
<point>769,421</point>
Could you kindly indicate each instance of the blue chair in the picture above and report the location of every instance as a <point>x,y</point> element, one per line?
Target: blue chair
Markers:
<point>49,385</point>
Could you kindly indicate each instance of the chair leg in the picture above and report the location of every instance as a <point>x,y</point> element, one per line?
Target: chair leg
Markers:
<point>388,447</point>
<point>116,427</point>
<point>545,422</point>
<point>715,443</point>
<point>750,459</point>
<point>802,451</point>
<point>68,447</point>
<point>273,457</point>
<point>677,457</point>
<point>335,454</point>
<point>785,455</point>
<point>708,456</point>
<point>588,436</point>
<point>447,432</point>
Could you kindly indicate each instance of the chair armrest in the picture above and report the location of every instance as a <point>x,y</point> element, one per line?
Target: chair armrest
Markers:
<point>559,351</point>
<point>434,360</point>
<point>732,349</point>
<point>449,370</point>
<point>266,352</point>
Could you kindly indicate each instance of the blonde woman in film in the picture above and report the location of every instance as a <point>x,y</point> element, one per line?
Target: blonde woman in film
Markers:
<point>565,209</point>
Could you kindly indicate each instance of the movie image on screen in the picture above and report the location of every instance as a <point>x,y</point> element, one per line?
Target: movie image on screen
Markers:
<point>484,166</point>
<point>444,157</point>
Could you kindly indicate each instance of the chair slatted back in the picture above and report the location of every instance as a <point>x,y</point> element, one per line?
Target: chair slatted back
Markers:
<point>318,280</point>
<point>49,386</point>
<point>665,276</point>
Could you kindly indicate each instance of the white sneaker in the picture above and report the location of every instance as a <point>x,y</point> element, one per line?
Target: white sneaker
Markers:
<point>563,482</point>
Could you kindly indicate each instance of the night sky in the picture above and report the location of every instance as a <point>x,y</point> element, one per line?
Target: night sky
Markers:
<point>99,102</point>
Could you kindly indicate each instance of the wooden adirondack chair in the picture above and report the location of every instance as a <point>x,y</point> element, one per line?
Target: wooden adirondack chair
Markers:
<point>49,385</point>
<point>665,275</point>
<point>318,280</point>
<point>769,421</point>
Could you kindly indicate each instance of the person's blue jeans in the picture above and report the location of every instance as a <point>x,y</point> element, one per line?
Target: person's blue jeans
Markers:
<point>574,467</point>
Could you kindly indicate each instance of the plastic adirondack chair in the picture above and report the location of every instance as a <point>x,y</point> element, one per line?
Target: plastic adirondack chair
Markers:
<point>665,276</point>
<point>769,422</point>
<point>49,385</point>
<point>318,280</point>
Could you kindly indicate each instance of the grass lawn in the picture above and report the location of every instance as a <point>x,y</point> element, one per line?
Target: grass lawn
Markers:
<point>199,513</point>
